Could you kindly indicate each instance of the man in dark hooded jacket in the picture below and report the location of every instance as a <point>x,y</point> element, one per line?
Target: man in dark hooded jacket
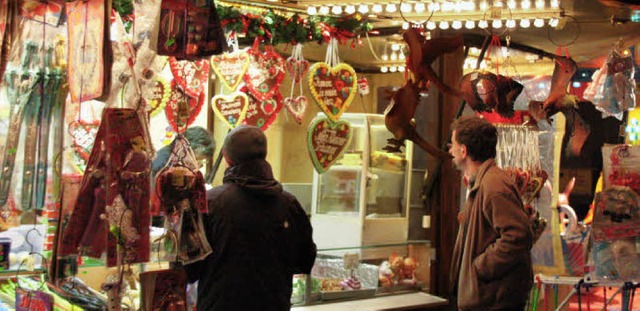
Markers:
<point>259,233</point>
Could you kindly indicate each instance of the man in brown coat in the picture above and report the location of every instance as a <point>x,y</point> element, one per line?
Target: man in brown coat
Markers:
<point>491,268</point>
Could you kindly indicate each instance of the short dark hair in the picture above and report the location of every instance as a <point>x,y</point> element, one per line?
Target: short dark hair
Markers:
<point>478,135</point>
<point>245,143</point>
<point>201,141</point>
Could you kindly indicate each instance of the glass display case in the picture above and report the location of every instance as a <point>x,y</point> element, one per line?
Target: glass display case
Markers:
<point>404,267</point>
<point>363,198</point>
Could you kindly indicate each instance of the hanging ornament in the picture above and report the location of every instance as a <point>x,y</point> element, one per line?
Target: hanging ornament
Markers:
<point>326,141</point>
<point>262,113</point>
<point>297,107</point>
<point>230,68</point>
<point>231,109</point>
<point>333,84</point>
<point>191,76</point>
<point>265,73</point>
<point>182,109</point>
<point>160,93</point>
<point>297,67</point>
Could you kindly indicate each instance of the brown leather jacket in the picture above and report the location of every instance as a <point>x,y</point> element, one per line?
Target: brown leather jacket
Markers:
<point>491,266</point>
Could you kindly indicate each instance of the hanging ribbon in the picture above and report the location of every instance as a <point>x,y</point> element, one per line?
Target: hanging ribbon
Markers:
<point>332,58</point>
<point>495,42</point>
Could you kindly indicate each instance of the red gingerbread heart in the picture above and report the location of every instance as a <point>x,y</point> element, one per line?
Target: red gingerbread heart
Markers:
<point>191,76</point>
<point>265,73</point>
<point>262,113</point>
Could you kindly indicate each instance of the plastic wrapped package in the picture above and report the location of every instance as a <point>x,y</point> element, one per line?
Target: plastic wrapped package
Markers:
<point>613,88</point>
<point>615,260</point>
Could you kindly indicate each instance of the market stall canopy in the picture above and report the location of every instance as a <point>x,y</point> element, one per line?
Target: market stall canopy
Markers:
<point>589,28</point>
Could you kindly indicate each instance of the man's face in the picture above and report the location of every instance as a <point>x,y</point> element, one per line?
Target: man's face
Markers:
<point>457,151</point>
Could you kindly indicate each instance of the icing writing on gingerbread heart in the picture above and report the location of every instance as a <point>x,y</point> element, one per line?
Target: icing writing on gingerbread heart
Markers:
<point>297,107</point>
<point>326,141</point>
<point>333,88</point>
<point>191,76</point>
<point>230,108</point>
<point>230,68</point>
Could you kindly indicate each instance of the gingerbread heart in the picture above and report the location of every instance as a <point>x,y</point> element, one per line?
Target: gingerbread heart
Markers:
<point>159,95</point>
<point>191,76</point>
<point>262,113</point>
<point>265,73</point>
<point>333,88</point>
<point>182,109</point>
<point>230,108</point>
<point>297,68</point>
<point>326,141</point>
<point>230,68</point>
<point>297,107</point>
<point>83,135</point>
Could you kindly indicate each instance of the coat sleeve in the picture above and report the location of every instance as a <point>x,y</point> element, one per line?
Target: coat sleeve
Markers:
<point>304,249</point>
<point>515,236</point>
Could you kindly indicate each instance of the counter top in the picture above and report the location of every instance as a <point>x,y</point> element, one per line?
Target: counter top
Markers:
<point>409,301</point>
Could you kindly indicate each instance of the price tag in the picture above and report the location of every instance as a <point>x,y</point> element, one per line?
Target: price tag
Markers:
<point>351,261</point>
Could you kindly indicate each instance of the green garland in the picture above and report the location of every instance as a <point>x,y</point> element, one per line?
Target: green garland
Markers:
<point>276,28</point>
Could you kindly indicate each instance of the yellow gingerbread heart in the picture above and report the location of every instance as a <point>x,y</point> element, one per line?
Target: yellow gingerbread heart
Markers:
<point>333,88</point>
<point>230,108</point>
<point>230,68</point>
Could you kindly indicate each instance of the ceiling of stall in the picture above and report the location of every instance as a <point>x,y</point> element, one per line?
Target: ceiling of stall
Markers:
<point>591,28</point>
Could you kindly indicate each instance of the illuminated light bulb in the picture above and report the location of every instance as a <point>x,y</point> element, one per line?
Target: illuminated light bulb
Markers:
<point>376,8</point>
<point>405,7</point>
<point>553,22</point>
<point>539,4</point>
<point>497,3</point>
<point>363,8</point>
<point>431,25</point>
<point>456,24</point>
<point>525,4</point>
<point>395,47</point>
<point>324,10</point>
<point>419,7</point>
<point>483,24</point>
<point>384,69</point>
<point>401,56</point>
<point>525,23</point>
<point>401,68</point>
<point>405,25</point>
<point>337,10</point>
<point>539,22</point>
<point>497,23</point>
<point>447,6</point>
<point>350,9</point>
<point>469,24</point>
<point>391,8</point>
<point>555,4</point>
<point>512,4</point>
<point>444,25</point>
<point>511,23</point>
<point>312,10</point>
<point>576,84</point>
<point>393,69</point>
<point>434,6</point>
<point>483,64</point>
<point>394,56</point>
<point>385,57</point>
<point>484,6</point>
<point>471,5</point>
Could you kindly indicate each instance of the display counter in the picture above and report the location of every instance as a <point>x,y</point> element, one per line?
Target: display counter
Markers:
<point>404,301</point>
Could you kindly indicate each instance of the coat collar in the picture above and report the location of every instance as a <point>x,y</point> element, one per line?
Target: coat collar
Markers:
<point>481,172</point>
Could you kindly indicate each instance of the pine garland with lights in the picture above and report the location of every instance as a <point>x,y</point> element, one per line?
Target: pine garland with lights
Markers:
<point>276,28</point>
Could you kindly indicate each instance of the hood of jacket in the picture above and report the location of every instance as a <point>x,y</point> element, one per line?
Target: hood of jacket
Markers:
<point>255,176</point>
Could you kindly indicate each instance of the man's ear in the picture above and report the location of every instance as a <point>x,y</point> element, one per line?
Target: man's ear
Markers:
<point>226,158</point>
